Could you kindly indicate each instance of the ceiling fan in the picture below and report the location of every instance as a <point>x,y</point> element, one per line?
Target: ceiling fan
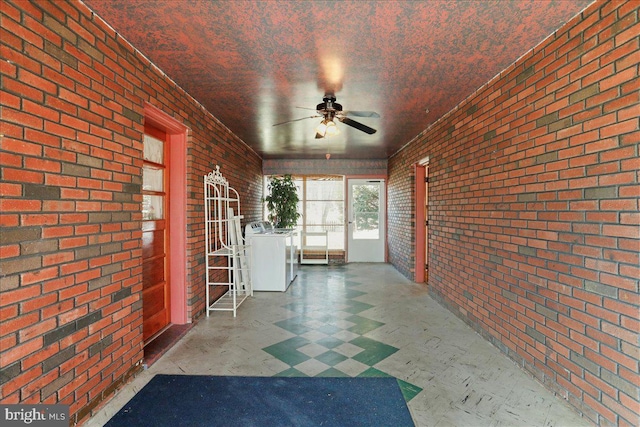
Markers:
<point>330,110</point>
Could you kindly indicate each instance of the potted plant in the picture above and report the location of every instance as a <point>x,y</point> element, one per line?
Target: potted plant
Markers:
<point>282,202</point>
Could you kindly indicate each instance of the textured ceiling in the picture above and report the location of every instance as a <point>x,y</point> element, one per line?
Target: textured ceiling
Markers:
<point>252,63</point>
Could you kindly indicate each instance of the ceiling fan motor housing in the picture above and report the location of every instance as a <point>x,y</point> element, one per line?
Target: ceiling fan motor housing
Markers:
<point>329,104</point>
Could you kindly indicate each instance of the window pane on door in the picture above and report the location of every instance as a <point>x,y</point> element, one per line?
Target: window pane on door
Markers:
<point>366,210</point>
<point>153,149</point>
<point>152,179</point>
<point>152,207</point>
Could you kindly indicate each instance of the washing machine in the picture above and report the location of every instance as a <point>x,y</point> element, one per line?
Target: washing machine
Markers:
<point>274,261</point>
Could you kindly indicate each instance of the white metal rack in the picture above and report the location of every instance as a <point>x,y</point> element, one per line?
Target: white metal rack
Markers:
<point>227,269</point>
<point>306,251</point>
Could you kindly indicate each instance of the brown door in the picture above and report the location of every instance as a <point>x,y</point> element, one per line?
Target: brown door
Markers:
<point>155,233</point>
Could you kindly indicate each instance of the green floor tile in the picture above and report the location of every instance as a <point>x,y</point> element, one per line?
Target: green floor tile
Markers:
<point>362,324</point>
<point>293,325</point>
<point>373,372</point>
<point>291,358</point>
<point>291,372</point>
<point>352,293</point>
<point>330,342</point>
<point>328,318</point>
<point>328,329</point>
<point>298,307</point>
<point>287,352</point>
<point>331,358</point>
<point>374,351</point>
<point>356,307</point>
<point>409,391</point>
<point>332,372</point>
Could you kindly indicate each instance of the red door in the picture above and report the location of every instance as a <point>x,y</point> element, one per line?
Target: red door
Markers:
<point>155,233</point>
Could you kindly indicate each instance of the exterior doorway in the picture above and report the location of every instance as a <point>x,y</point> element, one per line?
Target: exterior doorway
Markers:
<point>155,233</point>
<point>366,239</point>
<point>422,221</point>
<point>164,219</point>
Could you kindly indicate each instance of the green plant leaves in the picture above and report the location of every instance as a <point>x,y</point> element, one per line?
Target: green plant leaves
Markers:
<point>282,202</point>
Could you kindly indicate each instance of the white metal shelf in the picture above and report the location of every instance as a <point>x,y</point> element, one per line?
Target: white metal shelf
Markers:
<point>308,250</point>
<point>227,270</point>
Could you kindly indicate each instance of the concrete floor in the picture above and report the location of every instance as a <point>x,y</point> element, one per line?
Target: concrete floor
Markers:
<point>364,320</point>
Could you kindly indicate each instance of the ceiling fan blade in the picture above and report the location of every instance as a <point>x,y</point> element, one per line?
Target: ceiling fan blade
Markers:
<point>319,135</point>
<point>361,114</point>
<point>364,128</point>
<point>295,120</point>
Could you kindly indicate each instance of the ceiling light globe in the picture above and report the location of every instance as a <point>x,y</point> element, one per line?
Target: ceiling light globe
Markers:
<point>322,129</point>
<point>332,129</point>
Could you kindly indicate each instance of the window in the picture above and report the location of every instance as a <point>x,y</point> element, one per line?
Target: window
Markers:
<point>322,208</point>
<point>366,211</point>
<point>153,179</point>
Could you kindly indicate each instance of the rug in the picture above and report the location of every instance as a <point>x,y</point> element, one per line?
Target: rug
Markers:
<point>199,400</point>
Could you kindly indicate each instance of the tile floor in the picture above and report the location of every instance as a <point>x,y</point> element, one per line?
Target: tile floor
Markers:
<point>364,320</point>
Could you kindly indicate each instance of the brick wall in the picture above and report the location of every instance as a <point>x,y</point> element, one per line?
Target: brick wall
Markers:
<point>533,211</point>
<point>401,213</point>
<point>72,97</point>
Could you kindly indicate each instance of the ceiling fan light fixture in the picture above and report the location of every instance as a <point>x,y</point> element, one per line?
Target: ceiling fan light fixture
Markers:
<point>330,110</point>
<point>326,129</point>
<point>321,129</point>
<point>332,129</point>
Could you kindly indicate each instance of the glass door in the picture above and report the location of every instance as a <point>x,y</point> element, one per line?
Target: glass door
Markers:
<point>366,214</point>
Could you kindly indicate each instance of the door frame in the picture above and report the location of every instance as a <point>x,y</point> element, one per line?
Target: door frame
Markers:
<point>177,151</point>
<point>347,203</point>
<point>420,172</point>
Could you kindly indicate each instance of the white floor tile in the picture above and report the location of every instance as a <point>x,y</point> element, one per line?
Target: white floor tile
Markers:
<point>465,381</point>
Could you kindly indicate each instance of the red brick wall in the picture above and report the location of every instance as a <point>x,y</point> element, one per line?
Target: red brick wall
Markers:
<point>533,211</point>
<point>72,99</point>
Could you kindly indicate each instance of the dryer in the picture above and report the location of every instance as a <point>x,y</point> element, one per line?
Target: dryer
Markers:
<point>274,261</point>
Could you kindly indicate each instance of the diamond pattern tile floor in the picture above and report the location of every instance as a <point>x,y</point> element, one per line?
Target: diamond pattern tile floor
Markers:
<point>319,352</point>
<point>361,320</point>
